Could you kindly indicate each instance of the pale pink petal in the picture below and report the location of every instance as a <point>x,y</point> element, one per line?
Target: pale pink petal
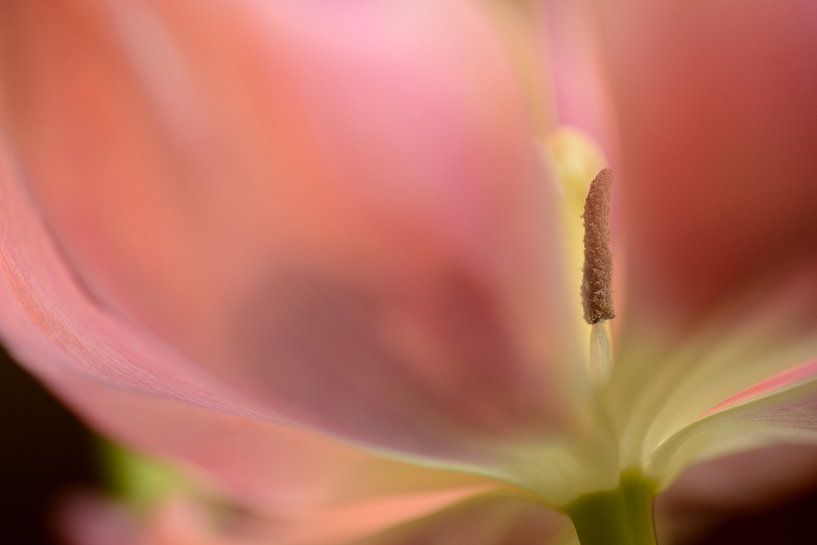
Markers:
<point>341,525</point>
<point>483,521</point>
<point>713,102</point>
<point>274,468</point>
<point>570,39</point>
<point>53,326</point>
<point>337,210</point>
<point>85,519</point>
<point>134,387</point>
<point>716,193</point>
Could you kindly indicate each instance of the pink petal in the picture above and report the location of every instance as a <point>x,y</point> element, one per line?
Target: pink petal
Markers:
<point>85,519</point>
<point>274,468</point>
<point>484,521</point>
<point>337,211</point>
<point>50,323</point>
<point>574,56</point>
<point>781,381</point>
<point>714,102</point>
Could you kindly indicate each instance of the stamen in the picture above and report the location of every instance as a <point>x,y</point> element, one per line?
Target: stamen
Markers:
<point>597,281</point>
<point>600,362</point>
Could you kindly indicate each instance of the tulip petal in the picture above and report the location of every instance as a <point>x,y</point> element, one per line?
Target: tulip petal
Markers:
<point>273,468</point>
<point>337,211</point>
<point>748,351</point>
<point>715,168</point>
<point>50,323</point>
<point>483,521</point>
<point>137,389</point>
<point>574,56</point>
<point>788,415</point>
<point>713,103</point>
<point>89,520</point>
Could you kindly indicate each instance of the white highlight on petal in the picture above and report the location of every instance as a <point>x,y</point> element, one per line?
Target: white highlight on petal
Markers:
<point>790,415</point>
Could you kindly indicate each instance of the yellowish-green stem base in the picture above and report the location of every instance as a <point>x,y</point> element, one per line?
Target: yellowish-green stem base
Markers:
<point>621,516</point>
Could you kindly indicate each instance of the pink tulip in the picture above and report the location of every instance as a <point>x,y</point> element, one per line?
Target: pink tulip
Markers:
<point>324,254</point>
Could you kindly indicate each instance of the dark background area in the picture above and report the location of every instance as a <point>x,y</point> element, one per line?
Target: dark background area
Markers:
<point>45,452</point>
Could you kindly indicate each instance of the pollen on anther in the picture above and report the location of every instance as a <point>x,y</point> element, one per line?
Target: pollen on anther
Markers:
<point>597,280</point>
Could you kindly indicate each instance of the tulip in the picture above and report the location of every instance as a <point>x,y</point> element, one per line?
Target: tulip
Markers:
<point>328,256</point>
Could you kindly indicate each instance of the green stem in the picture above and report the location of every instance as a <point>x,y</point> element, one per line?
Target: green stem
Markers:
<point>621,516</point>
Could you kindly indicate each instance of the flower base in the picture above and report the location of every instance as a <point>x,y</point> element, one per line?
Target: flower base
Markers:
<point>620,516</point>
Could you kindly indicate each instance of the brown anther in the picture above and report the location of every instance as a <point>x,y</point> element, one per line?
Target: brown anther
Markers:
<point>597,281</point>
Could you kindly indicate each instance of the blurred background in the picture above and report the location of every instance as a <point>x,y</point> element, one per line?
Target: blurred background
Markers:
<point>46,453</point>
